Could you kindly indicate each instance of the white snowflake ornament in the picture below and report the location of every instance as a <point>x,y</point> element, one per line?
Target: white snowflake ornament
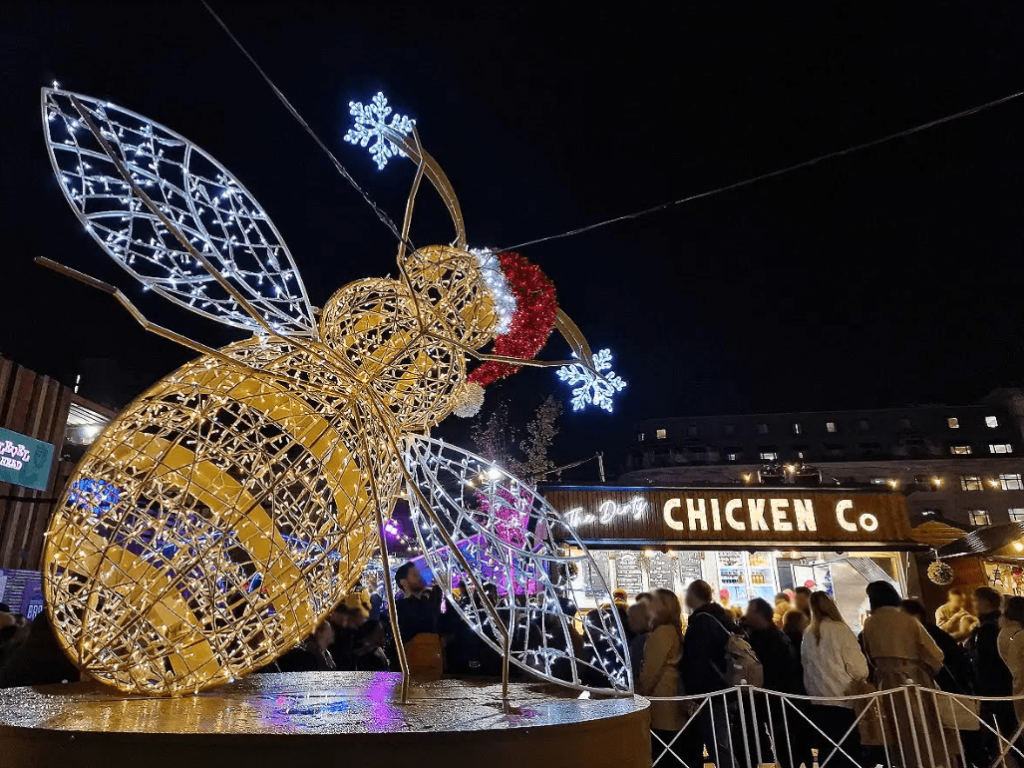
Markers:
<point>590,388</point>
<point>371,123</point>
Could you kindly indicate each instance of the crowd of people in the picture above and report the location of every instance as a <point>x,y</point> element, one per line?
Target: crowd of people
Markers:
<point>801,645</point>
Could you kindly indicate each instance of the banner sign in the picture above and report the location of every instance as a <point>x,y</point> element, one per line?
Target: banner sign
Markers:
<point>769,517</point>
<point>24,460</point>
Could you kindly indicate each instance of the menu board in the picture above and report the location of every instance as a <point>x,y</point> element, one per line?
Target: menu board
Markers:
<point>597,569</point>
<point>22,591</point>
<point>662,571</point>
<point>627,573</point>
<point>689,567</point>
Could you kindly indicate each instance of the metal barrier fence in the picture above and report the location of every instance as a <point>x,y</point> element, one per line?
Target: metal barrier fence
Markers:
<point>908,727</point>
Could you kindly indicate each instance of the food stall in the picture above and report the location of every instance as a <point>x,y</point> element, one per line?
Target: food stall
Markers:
<point>745,542</point>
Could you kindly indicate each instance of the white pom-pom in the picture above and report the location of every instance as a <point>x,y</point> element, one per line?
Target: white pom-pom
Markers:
<point>471,400</point>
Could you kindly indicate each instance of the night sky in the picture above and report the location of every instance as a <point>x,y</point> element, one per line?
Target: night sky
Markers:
<point>883,278</point>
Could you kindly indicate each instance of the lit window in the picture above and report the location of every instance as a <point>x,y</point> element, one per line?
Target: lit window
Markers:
<point>1016,514</point>
<point>660,434</point>
<point>928,512</point>
<point>991,422</point>
<point>691,431</point>
<point>971,483</point>
<point>879,481</point>
<point>979,517</point>
<point>1011,482</point>
<point>1000,448</point>
<point>640,437</point>
<point>796,429</point>
<point>960,450</point>
<point>800,454</point>
<point>863,425</point>
<point>732,456</point>
<point>954,422</point>
<point>762,429</point>
<point>830,426</point>
<point>770,455</point>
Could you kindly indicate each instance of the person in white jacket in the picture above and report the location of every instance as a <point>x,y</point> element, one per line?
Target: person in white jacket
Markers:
<point>833,662</point>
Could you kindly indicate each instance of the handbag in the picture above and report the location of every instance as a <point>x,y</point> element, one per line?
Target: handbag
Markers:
<point>957,711</point>
<point>870,727</point>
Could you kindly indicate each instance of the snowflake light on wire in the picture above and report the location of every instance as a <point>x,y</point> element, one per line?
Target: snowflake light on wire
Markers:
<point>370,122</point>
<point>591,389</point>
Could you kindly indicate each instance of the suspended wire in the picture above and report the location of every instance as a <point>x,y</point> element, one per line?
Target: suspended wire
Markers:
<point>381,214</point>
<point>763,176</point>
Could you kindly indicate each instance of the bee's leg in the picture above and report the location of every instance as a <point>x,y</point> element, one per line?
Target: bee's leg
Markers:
<point>506,637</point>
<point>389,592</point>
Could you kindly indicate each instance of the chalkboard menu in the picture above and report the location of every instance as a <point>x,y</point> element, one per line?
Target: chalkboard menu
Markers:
<point>596,570</point>
<point>689,567</point>
<point>627,573</point>
<point>662,572</point>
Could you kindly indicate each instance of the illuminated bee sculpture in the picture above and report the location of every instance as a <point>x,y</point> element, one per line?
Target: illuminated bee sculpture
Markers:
<point>229,508</point>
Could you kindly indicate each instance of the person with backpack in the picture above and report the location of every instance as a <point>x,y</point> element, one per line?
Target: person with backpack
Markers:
<point>834,666</point>
<point>705,667</point>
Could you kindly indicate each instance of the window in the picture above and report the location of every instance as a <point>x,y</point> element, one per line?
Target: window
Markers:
<point>960,450</point>
<point>904,423</point>
<point>971,483</point>
<point>879,481</point>
<point>730,429</point>
<point>640,437</point>
<point>830,426</point>
<point>1011,482</point>
<point>863,425</point>
<point>762,429</point>
<point>770,455</point>
<point>1000,448</point>
<point>978,517</point>
<point>660,434</point>
<point>800,454</point>
<point>732,456</point>
<point>797,430</point>
<point>691,431</point>
<point>953,422</point>
<point>929,512</point>
<point>1016,514</point>
<point>991,422</point>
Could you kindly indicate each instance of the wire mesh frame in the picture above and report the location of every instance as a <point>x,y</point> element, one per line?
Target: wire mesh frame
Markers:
<point>217,214</point>
<point>503,525</point>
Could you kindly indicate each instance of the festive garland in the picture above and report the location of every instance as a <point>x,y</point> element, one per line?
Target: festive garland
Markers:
<point>537,307</point>
<point>940,573</point>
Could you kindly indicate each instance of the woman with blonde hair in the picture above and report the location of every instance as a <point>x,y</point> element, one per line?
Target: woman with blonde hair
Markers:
<point>833,663</point>
<point>659,677</point>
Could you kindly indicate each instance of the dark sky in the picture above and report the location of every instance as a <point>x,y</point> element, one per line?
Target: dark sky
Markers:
<point>882,278</point>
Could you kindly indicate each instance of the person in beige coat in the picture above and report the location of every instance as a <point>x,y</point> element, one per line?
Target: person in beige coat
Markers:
<point>901,651</point>
<point>659,677</point>
<point>1011,647</point>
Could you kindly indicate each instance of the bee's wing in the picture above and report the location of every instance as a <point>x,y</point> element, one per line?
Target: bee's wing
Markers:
<point>202,200</point>
<point>511,537</point>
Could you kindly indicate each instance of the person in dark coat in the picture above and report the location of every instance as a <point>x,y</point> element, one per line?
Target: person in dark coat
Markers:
<point>991,675</point>
<point>39,660</point>
<point>778,660</point>
<point>956,675</point>
<point>703,666</point>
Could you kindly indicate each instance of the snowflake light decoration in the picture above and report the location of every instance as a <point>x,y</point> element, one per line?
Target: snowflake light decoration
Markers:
<point>590,388</point>
<point>371,123</point>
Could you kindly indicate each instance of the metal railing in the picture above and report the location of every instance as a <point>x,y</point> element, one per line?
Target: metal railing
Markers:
<point>907,727</point>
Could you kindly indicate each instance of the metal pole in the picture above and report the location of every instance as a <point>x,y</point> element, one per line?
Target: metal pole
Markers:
<point>389,592</point>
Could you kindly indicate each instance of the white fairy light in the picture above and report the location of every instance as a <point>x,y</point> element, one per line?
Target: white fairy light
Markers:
<point>505,303</point>
<point>590,388</point>
<point>371,123</point>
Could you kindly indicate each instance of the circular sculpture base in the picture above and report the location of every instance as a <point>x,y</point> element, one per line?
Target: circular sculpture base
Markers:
<point>353,717</point>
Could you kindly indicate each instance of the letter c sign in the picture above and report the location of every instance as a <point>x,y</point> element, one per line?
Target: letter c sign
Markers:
<point>866,522</point>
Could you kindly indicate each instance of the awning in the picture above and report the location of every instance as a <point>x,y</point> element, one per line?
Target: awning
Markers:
<point>989,540</point>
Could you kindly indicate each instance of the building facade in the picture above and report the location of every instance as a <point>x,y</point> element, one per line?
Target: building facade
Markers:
<point>960,464</point>
<point>41,420</point>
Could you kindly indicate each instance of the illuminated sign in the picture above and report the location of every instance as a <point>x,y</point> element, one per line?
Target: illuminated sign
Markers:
<point>773,516</point>
<point>24,460</point>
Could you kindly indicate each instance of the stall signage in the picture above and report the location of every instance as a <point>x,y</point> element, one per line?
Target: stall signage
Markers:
<point>775,516</point>
<point>24,460</point>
